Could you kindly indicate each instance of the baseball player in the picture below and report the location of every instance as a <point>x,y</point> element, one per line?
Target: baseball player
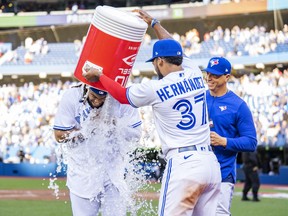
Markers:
<point>191,180</point>
<point>231,124</point>
<point>95,130</point>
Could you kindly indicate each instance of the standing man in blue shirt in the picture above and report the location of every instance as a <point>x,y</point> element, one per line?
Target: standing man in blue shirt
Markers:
<point>231,125</point>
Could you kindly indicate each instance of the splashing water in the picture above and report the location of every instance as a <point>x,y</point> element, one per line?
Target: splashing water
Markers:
<point>53,186</point>
<point>105,151</point>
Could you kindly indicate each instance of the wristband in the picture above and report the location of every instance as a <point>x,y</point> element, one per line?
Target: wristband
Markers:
<point>154,22</point>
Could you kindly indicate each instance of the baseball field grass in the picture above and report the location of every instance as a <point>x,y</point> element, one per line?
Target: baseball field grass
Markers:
<point>11,205</point>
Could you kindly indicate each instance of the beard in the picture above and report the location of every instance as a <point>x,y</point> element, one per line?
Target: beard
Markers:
<point>160,76</point>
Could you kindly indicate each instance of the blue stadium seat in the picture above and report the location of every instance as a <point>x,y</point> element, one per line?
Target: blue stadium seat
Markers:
<point>40,153</point>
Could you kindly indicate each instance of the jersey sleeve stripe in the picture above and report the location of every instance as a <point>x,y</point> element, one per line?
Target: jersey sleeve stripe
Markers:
<point>55,127</point>
<point>128,98</point>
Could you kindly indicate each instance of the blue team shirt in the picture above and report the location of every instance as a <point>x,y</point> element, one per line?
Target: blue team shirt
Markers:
<point>230,117</point>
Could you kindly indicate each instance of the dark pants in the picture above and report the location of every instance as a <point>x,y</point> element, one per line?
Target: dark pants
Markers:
<point>251,181</point>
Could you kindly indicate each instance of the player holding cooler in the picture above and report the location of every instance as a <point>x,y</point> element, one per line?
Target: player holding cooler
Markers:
<point>191,181</point>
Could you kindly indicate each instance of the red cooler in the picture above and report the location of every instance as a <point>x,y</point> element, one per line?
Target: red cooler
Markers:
<point>112,43</point>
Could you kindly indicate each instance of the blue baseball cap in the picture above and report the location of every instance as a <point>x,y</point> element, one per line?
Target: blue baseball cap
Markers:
<point>218,66</point>
<point>98,91</point>
<point>166,47</point>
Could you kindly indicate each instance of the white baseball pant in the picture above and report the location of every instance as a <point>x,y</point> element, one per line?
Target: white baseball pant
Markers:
<point>190,184</point>
<point>225,199</point>
<point>110,202</point>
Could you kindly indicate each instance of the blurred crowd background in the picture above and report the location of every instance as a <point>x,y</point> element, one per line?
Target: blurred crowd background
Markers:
<point>28,107</point>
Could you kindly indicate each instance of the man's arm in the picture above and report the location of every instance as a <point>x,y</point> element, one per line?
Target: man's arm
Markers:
<point>160,32</point>
<point>61,136</point>
<point>114,88</point>
<point>64,136</point>
<point>247,140</point>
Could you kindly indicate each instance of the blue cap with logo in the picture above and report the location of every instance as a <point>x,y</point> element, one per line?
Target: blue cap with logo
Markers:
<point>166,47</point>
<point>218,66</point>
<point>98,91</point>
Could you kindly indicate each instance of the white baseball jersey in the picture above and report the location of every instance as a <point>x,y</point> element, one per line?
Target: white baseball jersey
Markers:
<point>179,108</point>
<point>96,160</point>
<point>191,180</point>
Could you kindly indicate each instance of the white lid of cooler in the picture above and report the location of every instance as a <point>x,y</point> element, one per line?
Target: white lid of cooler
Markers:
<point>123,17</point>
<point>121,24</point>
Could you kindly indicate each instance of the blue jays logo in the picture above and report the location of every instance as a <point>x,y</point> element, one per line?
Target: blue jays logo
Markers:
<point>101,92</point>
<point>222,108</point>
<point>130,60</point>
<point>214,62</point>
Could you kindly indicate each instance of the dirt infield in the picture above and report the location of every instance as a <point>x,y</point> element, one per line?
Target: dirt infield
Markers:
<point>50,195</point>
<point>32,195</point>
<point>64,194</point>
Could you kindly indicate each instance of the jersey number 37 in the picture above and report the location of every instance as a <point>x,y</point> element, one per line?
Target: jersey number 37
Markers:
<point>188,117</point>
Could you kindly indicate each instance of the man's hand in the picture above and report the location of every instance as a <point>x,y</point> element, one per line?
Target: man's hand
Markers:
<point>217,140</point>
<point>160,32</point>
<point>78,138</point>
<point>92,74</point>
<point>144,15</point>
